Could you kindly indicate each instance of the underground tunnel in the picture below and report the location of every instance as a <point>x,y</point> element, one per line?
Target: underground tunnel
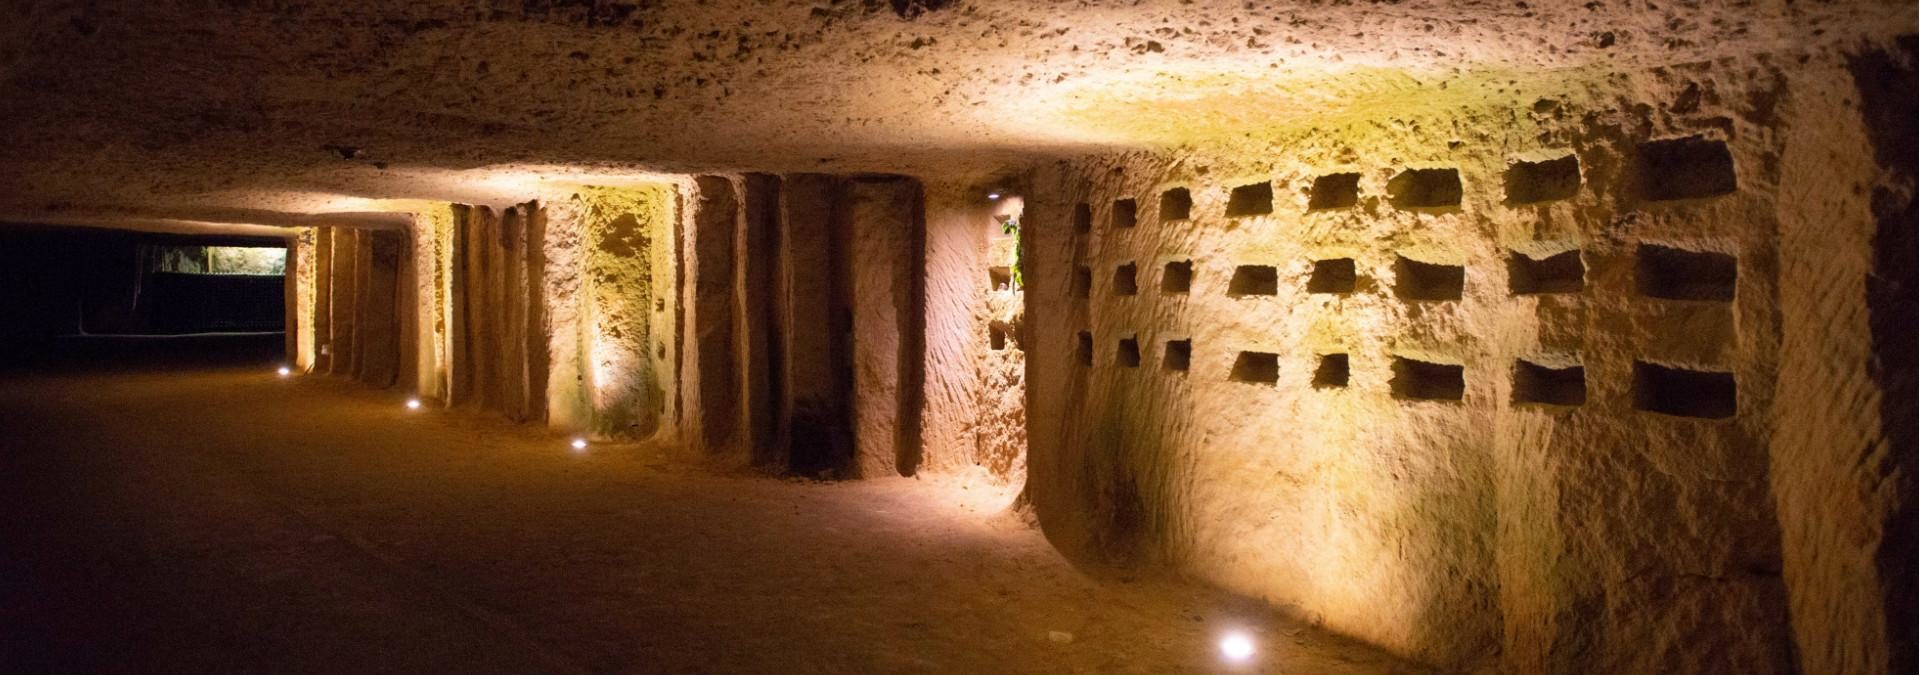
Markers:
<point>1440,336</point>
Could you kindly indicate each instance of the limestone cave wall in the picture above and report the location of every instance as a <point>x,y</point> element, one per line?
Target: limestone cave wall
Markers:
<point>351,313</point>
<point>1505,385</point>
<point>975,389</point>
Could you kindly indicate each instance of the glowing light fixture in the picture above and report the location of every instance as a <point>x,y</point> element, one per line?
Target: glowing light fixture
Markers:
<point>993,195</point>
<point>1236,647</point>
<point>285,371</point>
<point>413,404</point>
<point>579,444</point>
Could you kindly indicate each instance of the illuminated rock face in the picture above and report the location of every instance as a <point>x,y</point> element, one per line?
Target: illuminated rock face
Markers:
<point>1575,415</point>
<point>1494,334</point>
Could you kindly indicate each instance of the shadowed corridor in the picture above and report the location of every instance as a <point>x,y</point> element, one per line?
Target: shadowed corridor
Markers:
<point>188,514</point>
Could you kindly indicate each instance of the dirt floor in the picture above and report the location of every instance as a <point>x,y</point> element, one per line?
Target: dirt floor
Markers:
<point>212,517</point>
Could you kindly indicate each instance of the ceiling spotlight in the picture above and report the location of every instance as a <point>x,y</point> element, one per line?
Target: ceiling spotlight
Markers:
<point>579,444</point>
<point>413,404</point>
<point>993,195</point>
<point>285,371</point>
<point>1236,647</point>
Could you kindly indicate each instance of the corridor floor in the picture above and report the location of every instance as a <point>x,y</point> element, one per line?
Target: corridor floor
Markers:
<point>220,519</point>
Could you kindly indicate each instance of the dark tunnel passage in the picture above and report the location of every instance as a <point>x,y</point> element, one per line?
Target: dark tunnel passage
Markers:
<point>120,298</point>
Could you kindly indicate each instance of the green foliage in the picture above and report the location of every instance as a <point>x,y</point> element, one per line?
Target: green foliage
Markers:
<point>1012,227</point>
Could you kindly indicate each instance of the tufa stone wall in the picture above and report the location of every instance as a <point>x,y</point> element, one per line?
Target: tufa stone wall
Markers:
<point>1504,385</point>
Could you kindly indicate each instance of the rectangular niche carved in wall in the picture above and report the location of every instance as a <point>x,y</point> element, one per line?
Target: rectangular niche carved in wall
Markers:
<point>1332,276</point>
<point>1126,213</point>
<point>1128,353</point>
<point>1250,200</point>
<point>1254,280</point>
<point>997,334</point>
<point>1534,383</point>
<point>1685,168</point>
<point>999,277</point>
<point>1175,204</point>
<point>1126,280</point>
<point>1536,182</point>
<point>1683,393</point>
<point>1334,191</point>
<point>1558,273</point>
<point>1426,381</point>
<point>1331,372</point>
<point>1427,282</point>
<point>1082,281</point>
<point>1678,274</point>
<point>1425,189</point>
<point>1083,348</point>
<point>1179,356</point>
<point>1256,367</point>
<point>1177,277</point>
<point>1082,218</point>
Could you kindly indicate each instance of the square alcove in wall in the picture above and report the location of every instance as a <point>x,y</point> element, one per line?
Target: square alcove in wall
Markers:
<point>1177,277</point>
<point>1082,282</point>
<point>1126,354</point>
<point>1256,368</point>
<point>1176,204</point>
<point>1679,274</point>
<point>999,334</point>
<point>1544,181</point>
<point>1126,213</point>
<point>1126,280</point>
<point>1331,372</point>
<point>1425,189</point>
<point>1334,275</point>
<point>1178,357</point>
<point>1694,167</point>
<point>1547,385</point>
<point>1250,200</point>
<point>1417,380</point>
<point>1254,280</point>
<point>1684,392</point>
<point>1082,218</point>
<point>999,278</point>
<point>1083,348</point>
<point>1558,273</point>
<point>1428,282</point>
<point>1334,191</point>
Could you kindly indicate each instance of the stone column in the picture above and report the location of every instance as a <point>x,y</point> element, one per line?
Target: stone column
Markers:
<point>710,343</point>
<point>340,306</point>
<point>322,300</point>
<point>882,221</point>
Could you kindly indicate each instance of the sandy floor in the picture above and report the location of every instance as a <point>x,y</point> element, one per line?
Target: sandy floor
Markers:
<point>220,519</point>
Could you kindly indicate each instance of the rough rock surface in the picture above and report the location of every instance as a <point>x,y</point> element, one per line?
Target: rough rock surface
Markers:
<point>1441,498</point>
<point>267,110</point>
<point>1541,337</point>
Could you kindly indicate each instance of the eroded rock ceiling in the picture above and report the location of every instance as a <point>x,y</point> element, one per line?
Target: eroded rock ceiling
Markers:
<point>271,111</point>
